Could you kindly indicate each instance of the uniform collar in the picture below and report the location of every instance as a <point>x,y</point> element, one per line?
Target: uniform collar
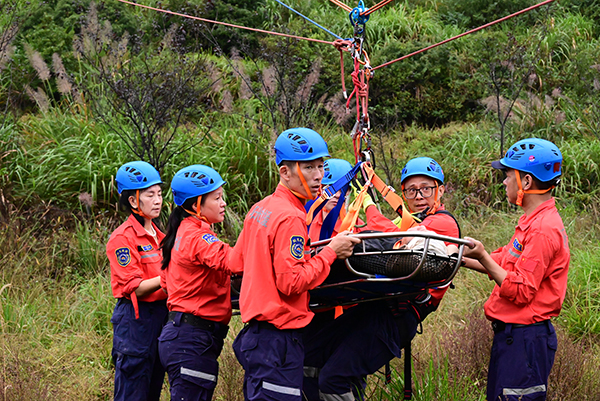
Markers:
<point>140,231</point>
<point>284,192</point>
<point>526,220</point>
<point>197,222</point>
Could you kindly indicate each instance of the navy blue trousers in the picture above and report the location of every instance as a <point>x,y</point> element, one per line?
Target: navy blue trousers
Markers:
<point>353,346</point>
<point>272,360</point>
<point>520,363</point>
<point>189,355</point>
<point>139,374</point>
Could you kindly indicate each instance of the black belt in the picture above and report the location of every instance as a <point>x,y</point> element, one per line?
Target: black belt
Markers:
<point>263,325</point>
<point>197,321</point>
<point>499,326</point>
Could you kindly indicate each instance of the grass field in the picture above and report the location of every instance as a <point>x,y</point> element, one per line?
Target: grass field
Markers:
<point>55,308</point>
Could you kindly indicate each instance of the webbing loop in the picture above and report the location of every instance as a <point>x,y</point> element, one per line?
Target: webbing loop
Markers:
<point>391,197</point>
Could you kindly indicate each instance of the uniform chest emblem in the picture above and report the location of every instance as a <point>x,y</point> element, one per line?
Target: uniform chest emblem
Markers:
<point>297,246</point>
<point>123,256</point>
<point>209,238</point>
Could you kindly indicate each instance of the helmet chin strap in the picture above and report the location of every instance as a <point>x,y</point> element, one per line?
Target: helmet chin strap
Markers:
<point>304,185</point>
<point>137,210</point>
<point>521,193</point>
<point>197,212</point>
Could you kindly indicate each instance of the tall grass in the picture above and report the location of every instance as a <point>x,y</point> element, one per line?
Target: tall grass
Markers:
<point>54,313</point>
<point>60,156</point>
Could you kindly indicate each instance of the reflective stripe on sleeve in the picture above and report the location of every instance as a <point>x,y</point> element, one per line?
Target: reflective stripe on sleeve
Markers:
<point>150,255</point>
<point>524,391</point>
<point>281,389</point>
<point>513,253</point>
<point>201,375</point>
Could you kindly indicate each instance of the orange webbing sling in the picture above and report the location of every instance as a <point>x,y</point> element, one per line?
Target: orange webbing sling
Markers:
<point>388,194</point>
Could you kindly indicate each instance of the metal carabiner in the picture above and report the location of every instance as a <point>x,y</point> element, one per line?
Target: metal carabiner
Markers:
<point>357,20</point>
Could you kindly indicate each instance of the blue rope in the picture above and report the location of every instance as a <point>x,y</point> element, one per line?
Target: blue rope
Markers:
<point>308,19</point>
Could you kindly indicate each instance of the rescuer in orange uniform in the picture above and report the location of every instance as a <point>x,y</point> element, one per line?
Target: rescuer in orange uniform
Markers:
<point>135,258</point>
<point>370,334</point>
<point>197,277</point>
<point>530,274</point>
<point>272,248</point>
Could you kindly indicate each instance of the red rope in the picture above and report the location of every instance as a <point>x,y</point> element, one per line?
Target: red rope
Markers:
<point>341,5</point>
<point>342,46</point>
<point>465,33</point>
<point>376,7</point>
<point>224,23</point>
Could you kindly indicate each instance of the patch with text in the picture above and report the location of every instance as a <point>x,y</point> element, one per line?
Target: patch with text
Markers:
<point>209,238</point>
<point>123,256</point>
<point>297,246</point>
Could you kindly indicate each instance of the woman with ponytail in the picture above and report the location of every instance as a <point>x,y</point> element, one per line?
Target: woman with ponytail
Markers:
<point>197,278</point>
<point>135,261</point>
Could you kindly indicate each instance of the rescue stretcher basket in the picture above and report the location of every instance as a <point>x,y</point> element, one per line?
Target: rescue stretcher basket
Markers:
<point>370,274</point>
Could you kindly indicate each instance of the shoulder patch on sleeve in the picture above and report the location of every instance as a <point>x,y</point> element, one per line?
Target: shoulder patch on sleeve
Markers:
<point>297,246</point>
<point>209,238</point>
<point>123,256</point>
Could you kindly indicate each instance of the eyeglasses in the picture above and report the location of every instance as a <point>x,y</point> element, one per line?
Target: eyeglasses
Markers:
<point>411,193</point>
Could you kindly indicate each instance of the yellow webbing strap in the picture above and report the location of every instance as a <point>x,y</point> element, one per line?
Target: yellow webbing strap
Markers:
<point>350,219</point>
<point>391,197</point>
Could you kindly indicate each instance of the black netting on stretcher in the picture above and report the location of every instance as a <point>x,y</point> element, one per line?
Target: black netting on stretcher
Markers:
<point>434,268</point>
<point>379,269</point>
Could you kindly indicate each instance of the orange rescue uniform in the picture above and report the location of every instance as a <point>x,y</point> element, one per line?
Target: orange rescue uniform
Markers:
<point>198,276</point>
<point>440,223</point>
<point>537,263</point>
<point>134,256</point>
<point>272,248</point>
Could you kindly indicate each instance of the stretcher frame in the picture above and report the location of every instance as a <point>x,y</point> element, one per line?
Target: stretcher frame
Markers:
<point>365,287</point>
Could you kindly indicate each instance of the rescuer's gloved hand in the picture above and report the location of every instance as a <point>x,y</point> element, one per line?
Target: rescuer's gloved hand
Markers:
<point>367,201</point>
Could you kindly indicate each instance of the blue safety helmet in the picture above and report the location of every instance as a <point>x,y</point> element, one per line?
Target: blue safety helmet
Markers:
<point>334,169</point>
<point>193,181</point>
<point>136,175</point>
<point>422,166</point>
<point>300,144</point>
<point>539,157</point>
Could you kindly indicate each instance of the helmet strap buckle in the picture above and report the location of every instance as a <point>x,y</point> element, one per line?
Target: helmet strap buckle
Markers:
<point>521,193</point>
